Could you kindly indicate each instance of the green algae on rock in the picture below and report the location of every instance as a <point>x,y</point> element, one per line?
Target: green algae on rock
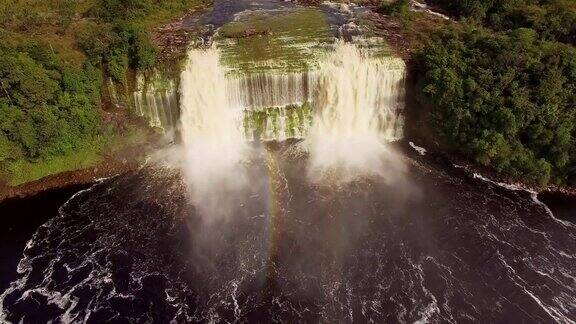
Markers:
<point>288,40</point>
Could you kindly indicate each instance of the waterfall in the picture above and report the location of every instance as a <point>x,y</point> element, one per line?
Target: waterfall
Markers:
<point>352,108</point>
<point>211,133</point>
<point>359,95</point>
<point>276,89</point>
<point>357,110</point>
<point>225,107</point>
<point>276,104</point>
<point>156,99</point>
<point>351,95</point>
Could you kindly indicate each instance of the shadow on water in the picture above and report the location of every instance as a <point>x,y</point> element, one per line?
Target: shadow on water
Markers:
<point>562,206</point>
<point>19,219</point>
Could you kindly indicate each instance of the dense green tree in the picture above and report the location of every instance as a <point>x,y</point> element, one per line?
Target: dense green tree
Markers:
<point>50,96</point>
<point>118,44</point>
<point>111,10</point>
<point>143,53</point>
<point>508,100</point>
<point>553,20</point>
<point>47,108</point>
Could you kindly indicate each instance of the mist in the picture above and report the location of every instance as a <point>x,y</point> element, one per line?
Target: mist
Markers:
<point>213,143</point>
<point>358,113</point>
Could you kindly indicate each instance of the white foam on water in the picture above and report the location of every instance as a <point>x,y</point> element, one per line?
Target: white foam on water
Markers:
<point>553,312</point>
<point>420,150</point>
<point>62,301</point>
<point>533,195</point>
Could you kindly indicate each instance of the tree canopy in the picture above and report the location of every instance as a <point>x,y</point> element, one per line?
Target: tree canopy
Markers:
<point>553,20</point>
<point>54,56</point>
<point>506,99</point>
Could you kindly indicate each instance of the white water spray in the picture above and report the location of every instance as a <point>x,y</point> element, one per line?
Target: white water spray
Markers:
<point>211,134</point>
<point>358,111</point>
<point>357,102</point>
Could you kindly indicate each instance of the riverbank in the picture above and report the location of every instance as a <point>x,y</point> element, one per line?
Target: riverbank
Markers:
<point>408,35</point>
<point>418,132</point>
<point>66,179</point>
<point>126,153</point>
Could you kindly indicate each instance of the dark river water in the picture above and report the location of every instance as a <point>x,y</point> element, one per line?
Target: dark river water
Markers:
<point>20,218</point>
<point>440,246</point>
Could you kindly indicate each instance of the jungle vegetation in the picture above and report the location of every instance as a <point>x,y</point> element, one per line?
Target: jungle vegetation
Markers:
<point>502,86</point>
<point>552,20</point>
<point>54,56</point>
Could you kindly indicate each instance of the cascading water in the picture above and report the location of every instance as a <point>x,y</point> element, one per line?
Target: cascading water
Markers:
<point>157,101</point>
<point>275,104</point>
<point>358,110</point>
<point>359,95</point>
<point>264,90</point>
<point>211,132</point>
<point>356,105</point>
<point>355,98</point>
<point>280,105</point>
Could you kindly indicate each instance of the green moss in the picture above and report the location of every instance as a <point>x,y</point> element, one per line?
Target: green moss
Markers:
<point>298,119</point>
<point>289,41</point>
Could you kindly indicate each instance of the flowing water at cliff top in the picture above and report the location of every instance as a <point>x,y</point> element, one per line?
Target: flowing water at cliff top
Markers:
<point>287,40</point>
<point>270,52</point>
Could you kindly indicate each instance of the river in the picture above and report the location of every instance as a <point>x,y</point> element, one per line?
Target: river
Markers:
<point>443,246</point>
